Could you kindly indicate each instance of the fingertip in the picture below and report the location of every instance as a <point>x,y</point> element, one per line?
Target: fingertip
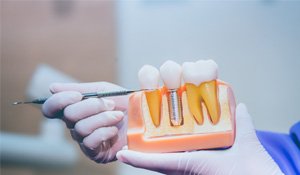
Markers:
<point>242,107</point>
<point>119,156</point>
<point>54,88</point>
<point>122,156</point>
<point>118,115</point>
<point>45,111</point>
<point>53,107</point>
<point>77,95</point>
<point>71,97</point>
<point>109,104</point>
<point>244,124</point>
<point>114,130</point>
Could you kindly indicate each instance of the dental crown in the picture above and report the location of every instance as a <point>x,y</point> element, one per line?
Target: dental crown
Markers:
<point>149,77</point>
<point>200,71</point>
<point>170,73</point>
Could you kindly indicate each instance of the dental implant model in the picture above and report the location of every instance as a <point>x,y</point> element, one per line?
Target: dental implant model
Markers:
<point>170,73</point>
<point>199,114</point>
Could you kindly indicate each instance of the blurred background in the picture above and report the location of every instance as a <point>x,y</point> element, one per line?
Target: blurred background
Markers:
<point>255,43</point>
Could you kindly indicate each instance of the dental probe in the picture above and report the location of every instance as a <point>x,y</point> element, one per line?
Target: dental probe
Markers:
<point>86,95</point>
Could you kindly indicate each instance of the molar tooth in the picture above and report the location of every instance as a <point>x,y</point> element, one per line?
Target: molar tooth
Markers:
<point>149,79</point>
<point>200,79</point>
<point>170,73</point>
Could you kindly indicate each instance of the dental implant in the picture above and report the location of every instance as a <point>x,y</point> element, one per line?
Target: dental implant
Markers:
<point>170,73</point>
<point>175,110</point>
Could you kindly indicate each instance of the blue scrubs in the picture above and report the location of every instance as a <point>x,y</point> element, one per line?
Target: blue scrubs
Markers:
<point>283,148</point>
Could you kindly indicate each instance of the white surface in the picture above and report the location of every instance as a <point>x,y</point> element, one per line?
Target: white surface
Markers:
<point>149,77</point>
<point>170,73</point>
<point>255,43</point>
<point>200,71</point>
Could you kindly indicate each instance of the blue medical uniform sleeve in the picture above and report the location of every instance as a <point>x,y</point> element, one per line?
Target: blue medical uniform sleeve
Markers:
<point>283,148</point>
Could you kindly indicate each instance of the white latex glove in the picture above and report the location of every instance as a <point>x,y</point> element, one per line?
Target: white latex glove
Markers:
<point>99,125</point>
<point>246,156</point>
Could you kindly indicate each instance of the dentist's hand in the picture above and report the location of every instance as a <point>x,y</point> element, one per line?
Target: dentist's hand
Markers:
<point>246,156</point>
<point>99,125</point>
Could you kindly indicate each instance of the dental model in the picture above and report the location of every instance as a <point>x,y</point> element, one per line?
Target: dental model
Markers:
<point>171,75</point>
<point>200,114</point>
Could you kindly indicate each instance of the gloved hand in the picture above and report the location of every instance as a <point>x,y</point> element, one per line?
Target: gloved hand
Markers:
<point>99,125</point>
<point>246,156</point>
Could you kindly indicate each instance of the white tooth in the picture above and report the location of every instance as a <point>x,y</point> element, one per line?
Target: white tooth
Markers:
<point>170,73</point>
<point>148,77</point>
<point>200,71</point>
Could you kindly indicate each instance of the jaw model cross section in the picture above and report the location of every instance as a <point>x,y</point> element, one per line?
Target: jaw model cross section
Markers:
<point>204,109</point>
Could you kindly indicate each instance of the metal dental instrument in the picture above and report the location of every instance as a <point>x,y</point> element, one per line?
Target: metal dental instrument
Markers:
<point>86,95</point>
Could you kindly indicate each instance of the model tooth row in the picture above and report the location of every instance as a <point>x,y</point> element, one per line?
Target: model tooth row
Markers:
<point>198,77</point>
<point>171,73</point>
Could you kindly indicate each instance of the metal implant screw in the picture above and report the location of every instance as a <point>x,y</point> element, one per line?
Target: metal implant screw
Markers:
<point>175,108</point>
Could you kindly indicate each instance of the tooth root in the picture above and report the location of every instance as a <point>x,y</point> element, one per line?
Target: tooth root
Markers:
<point>154,104</point>
<point>208,92</point>
<point>194,102</point>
